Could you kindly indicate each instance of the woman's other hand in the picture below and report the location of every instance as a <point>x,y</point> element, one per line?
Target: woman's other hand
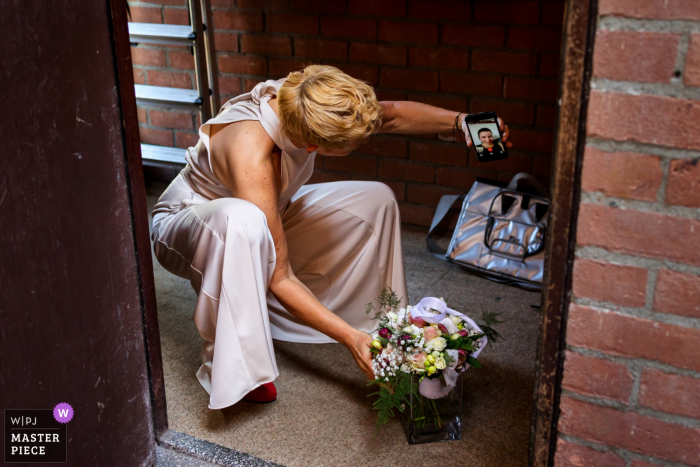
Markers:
<point>505,131</point>
<point>359,347</point>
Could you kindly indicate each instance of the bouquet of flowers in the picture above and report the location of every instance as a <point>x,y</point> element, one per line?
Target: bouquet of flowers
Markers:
<point>429,343</point>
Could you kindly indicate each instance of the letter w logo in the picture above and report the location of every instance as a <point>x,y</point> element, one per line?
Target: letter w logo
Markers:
<point>62,412</point>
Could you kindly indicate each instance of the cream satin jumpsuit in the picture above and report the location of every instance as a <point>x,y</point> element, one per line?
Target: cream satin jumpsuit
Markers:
<point>344,244</point>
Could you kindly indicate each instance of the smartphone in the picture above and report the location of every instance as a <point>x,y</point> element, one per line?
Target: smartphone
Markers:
<point>486,136</point>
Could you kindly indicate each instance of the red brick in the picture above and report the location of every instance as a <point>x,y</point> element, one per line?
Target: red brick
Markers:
<point>632,337</point>
<point>621,174</point>
<point>546,116</point>
<point>169,79</point>
<point>450,103</point>
<point>264,44</point>
<point>670,393</point>
<point>139,76</point>
<point>280,67</point>
<point>629,430</point>
<point>378,53</point>
<point>352,164</point>
<point>412,33</point>
<point>446,154</point>
<point>428,194</point>
<point>230,85</point>
<point>145,14</point>
<point>549,64</point>
<point>455,10</point>
<point>553,13</point>
<point>683,187</point>
<point>626,117</point>
<point>348,27</point>
<point>515,163</point>
<point>320,48</point>
<point>262,3</point>
<point>648,57</point>
<point>409,79</point>
<point>404,170</point>
<point>416,214</point>
<point>486,36</point>
<point>250,83</point>
<point>459,178</point>
<point>574,455</point>
<point>528,140</point>
<point>387,147</point>
<point>542,166</point>
<point>147,57</point>
<point>677,293</point>
<point>176,16</point>
<point>507,12</point>
<point>238,20</point>
<point>186,140</point>
<point>597,378</point>
<point>535,38</point>
<point>223,3</point>
<point>291,23</point>
<point>531,89</point>
<point>439,57</point>
<point>652,9</point>
<point>325,177</point>
<point>473,84</point>
<point>375,8</point>
<point>504,62</point>
<point>384,95</point>
<point>142,115</point>
<point>154,136</point>
<point>180,120</point>
<point>508,111</point>
<point>226,42</point>
<point>691,75</point>
<point>642,233</point>
<point>181,60</point>
<point>638,463</point>
<point>242,64</point>
<point>363,72</point>
<point>591,281</point>
<point>317,6</point>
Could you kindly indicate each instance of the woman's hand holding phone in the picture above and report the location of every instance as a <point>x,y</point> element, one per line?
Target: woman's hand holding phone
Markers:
<point>503,127</point>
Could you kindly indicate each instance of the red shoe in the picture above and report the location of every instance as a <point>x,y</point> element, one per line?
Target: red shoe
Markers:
<point>263,394</point>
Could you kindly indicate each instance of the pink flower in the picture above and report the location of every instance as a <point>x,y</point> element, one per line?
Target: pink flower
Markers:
<point>443,329</point>
<point>385,333</point>
<point>417,360</point>
<point>430,333</point>
<point>418,321</point>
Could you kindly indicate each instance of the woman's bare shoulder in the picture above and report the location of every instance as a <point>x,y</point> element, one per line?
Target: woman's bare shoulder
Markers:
<point>244,139</point>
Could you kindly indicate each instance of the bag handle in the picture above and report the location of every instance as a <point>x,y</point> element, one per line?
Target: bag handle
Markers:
<point>446,202</point>
<point>541,189</point>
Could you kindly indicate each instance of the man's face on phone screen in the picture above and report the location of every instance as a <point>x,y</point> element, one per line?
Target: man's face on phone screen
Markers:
<point>486,138</point>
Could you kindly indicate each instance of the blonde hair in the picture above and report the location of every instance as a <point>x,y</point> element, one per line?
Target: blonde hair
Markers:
<point>323,106</point>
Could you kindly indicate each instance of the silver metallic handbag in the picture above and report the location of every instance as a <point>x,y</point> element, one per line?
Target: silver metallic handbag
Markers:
<point>500,231</point>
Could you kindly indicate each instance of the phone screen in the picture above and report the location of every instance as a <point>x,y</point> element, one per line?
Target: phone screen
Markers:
<point>487,140</point>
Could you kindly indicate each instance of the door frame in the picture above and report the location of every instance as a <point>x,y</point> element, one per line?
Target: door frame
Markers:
<point>574,86</point>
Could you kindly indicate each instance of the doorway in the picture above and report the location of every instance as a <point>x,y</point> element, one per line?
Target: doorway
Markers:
<point>545,377</point>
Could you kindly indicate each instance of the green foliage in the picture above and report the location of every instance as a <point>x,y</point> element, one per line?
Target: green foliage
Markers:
<point>490,319</point>
<point>395,399</point>
<point>473,362</point>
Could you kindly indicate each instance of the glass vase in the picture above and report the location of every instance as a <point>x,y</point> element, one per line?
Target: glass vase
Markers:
<point>431,420</point>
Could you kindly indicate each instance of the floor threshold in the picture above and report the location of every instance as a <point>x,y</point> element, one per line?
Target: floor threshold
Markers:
<point>178,449</point>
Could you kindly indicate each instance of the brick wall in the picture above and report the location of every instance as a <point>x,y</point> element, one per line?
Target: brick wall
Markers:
<point>631,387</point>
<point>461,55</point>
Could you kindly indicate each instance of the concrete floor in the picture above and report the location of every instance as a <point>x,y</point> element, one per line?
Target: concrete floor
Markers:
<point>323,415</point>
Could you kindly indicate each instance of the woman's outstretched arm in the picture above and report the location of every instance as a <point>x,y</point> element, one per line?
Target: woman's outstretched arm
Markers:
<point>407,117</point>
<point>242,159</point>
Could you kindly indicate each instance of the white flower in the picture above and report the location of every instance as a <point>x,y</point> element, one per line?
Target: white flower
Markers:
<point>439,344</point>
<point>440,363</point>
<point>405,367</point>
<point>455,319</point>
